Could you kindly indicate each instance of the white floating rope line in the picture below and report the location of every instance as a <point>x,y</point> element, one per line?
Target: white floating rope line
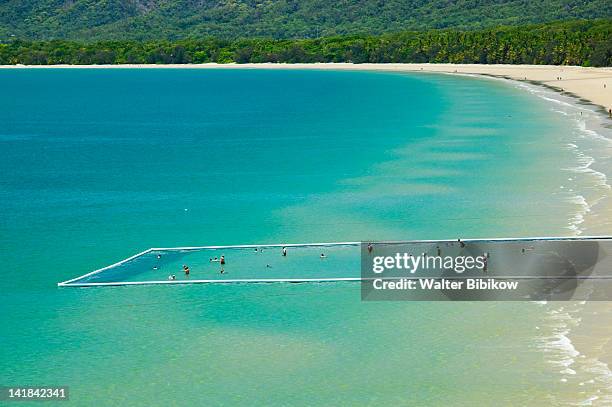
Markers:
<point>228,281</point>
<point>67,282</point>
<point>311,280</point>
<point>380,242</point>
<point>253,246</point>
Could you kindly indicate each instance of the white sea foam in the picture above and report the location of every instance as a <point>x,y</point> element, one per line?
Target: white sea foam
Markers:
<point>588,402</point>
<point>561,112</point>
<point>600,187</point>
<point>592,146</point>
<point>595,376</point>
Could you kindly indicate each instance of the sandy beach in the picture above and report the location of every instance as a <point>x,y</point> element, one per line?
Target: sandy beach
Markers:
<point>590,84</point>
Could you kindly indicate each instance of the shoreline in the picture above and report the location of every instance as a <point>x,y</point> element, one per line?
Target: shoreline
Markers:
<point>591,85</point>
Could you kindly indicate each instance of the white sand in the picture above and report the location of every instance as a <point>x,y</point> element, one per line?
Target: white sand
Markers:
<point>591,84</point>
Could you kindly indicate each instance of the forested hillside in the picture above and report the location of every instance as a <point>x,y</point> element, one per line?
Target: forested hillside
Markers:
<point>586,43</point>
<point>87,20</point>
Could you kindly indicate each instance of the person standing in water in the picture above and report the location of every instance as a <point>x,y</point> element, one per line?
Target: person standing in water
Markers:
<point>284,252</point>
<point>222,262</point>
<point>485,265</point>
<point>370,248</point>
<point>186,270</point>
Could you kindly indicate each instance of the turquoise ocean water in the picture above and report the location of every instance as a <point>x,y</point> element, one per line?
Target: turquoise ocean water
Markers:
<point>96,165</point>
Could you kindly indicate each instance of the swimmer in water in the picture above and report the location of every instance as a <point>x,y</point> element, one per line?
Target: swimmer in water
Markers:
<point>172,277</point>
<point>323,255</point>
<point>485,262</point>
<point>159,256</point>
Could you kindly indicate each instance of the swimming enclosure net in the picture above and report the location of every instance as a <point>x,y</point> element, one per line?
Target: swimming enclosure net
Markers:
<point>244,263</point>
<point>313,262</point>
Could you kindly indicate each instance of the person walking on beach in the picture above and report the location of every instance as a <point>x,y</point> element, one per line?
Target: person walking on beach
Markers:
<point>222,262</point>
<point>610,113</point>
<point>284,252</point>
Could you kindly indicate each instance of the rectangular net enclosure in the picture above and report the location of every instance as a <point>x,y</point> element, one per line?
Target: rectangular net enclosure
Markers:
<point>243,263</point>
<point>566,259</point>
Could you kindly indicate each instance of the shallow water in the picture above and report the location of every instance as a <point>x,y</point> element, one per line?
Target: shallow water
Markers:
<point>96,165</point>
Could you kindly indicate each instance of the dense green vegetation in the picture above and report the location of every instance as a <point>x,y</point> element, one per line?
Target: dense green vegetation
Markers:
<point>87,20</point>
<point>586,43</point>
